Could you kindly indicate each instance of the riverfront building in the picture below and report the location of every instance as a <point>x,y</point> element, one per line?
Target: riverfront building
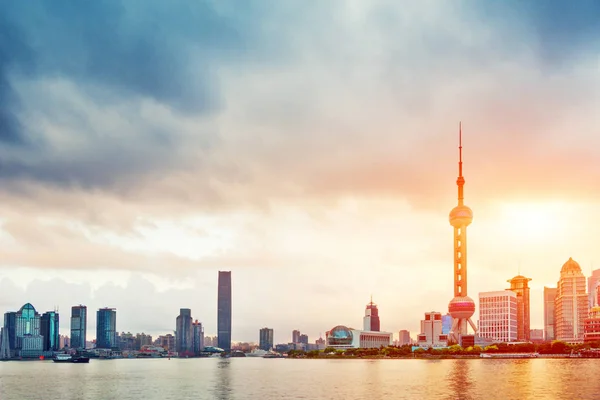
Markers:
<point>198,342</point>
<point>431,331</point>
<point>341,337</point>
<point>106,328</point>
<point>520,285</point>
<point>22,335</point>
<point>78,327</point>
<point>49,329</point>
<point>571,304</point>
<point>591,326</point>
<point>184,332</point>
<point>593,282</point>
<point>265,339</point>
<point>404,338</point>
<point>498,316</point>
<point>224,310</point>
<point>549,315</point>
<point>371,319</point>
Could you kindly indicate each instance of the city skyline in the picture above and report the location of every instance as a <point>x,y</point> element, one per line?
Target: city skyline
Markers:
<point>290,158</point>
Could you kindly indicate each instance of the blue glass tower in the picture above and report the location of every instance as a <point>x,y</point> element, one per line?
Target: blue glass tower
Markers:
<point>106,328</point>
<point>224,311</point>
<point>78,326</point>
<point>49,330</point>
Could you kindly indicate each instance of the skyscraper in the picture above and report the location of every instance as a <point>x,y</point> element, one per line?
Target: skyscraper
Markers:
<point>498,315</point>
<point>549,309</point>
<point>78,326</point>
<point>431,331</point>
<point>23,332</point>
<point>593,281</point>
<point>403,337</point>
<point>184,332</point>
<point>371,318</point>
<point>461,307</point>
<point>49,329</point>
<point>198,342</point>
<point>265,341</point>
<point>519,285</point>
<point>571,303</point>
<point>106,328</point>
<point>224,310</point>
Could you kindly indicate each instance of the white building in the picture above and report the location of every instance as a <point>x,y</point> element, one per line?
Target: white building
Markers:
<point>431,331</point>
<point>342,337</point>
<point>404,337</point>
<point>498,315</point>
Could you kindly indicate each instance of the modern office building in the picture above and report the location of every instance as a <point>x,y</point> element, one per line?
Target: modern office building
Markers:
<point>303,339</point>
<point>404,338</point>
<point>536,335</point>
<point>446,323</point>
<point>549,309</point>
<point>21,334</point>
<point>591,326</point>
<point>265,339</point>
<point>520,285</point>
<point>198,342</point>
<point>571,305</point>
<point>167,342</point>
<point>4,346</point>
<point>461,307</point>
<point>431,331</point>
<point>78,326</point>
<point>49,329</point>
<point>498,316</point>
<point>184,332</point>
<point>295,336</point>
<point>593,281</point>
<point>341,337</point>
<point>106,328</point>
<point>224,310</point>
<point>371,318</point>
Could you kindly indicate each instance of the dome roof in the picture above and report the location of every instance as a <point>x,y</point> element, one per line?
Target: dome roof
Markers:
<point>570,266</point>
<point>340,335</point>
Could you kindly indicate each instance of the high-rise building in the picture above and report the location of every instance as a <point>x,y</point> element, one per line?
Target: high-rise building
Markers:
<point>404,337</point>
<point>5,353</point>
<point>265,341</point>
<point>166,341</point>
<point>295,336</point>
<point>198,342</point>
<point>106,328</point>
<point>498,315</point>
<point>431,331</point>
<point>593,282</point>
<point>461,307</point>
<point>63,341</point>
<point>549,309</point>
<point>49,329</point>
<point>571,303</point>
<point>591,326</point>
<point>78,326</point>
<point>536,335</point>
<point>371,318</point>
<point>303,339</point>
<point>184,332</point>
<point>446,323</point>
<point>22,329</point>
<point>520,285</point>
<point>224,310</point>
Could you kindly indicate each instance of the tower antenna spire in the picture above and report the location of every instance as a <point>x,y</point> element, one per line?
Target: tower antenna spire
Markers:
<point>460,182</point>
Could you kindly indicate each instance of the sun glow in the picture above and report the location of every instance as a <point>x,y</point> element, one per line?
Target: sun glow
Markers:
<point>534,222</point>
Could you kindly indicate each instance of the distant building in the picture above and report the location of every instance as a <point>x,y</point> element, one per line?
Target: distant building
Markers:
<point>141,340</point>
<point>265,341</point>
<point>49,329</point>
<point>536,335</point>
<point>184,332</point>
<point>341,337</point>
<point>520,285</point>
<point>549,309</point>
<point>571,303</point>
<point>106,328</point>
<point>371,318</point>
<point>224,310</point>
<point>404,336</point>
<point>446,324</point>
<point>593,282</point>
<point>167,342</point>
<point>498,315</point>
<point>303,339</point>
<point>78,327</point>
<point>591,326</point>
<point>296,336</point>
<point>126,341</point>
<point>198,342</point>
<point>431,331</point>
<point>320,343</point>
<point>212,341</point>
<point>63,341</point>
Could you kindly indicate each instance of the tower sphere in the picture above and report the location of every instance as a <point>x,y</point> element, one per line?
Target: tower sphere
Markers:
<point>461,216</point>
<point>461,307</point>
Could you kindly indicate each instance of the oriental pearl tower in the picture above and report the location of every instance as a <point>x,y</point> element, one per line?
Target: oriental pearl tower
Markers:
<point>461,307</point>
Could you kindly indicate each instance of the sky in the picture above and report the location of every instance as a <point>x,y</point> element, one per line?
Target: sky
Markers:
<point>310,147</point>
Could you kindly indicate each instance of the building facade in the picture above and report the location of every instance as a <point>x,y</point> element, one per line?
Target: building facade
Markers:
<point>571,304</point>
<point>593,281</point>
<point>224,310</point>
<point>49,329</point>
<point>431,331</point>
<point>371,319</point>
<point>404,337</point>
<point>78,327</point>
<point>265,339</point>
<point>341,337</point>
<point>184,332</point>
<point>295,336</point>
<point>21,335</point>
<point>198,342</point>
<point>549,313</point>
<point>520,285</point>
<point>498,316</point>
<point>591,326</point>
<point>536,335</point>
<point>106,328</point>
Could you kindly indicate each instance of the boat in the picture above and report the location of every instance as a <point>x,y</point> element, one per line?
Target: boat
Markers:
<point>67,358</point>
<point>272,354</point>
<point>509,355</point>
<point>80,359</point>
<point>257,353</point>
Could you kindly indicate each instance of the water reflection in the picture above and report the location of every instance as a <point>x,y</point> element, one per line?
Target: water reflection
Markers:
<point>223,390</point>
<point>460,380</point>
